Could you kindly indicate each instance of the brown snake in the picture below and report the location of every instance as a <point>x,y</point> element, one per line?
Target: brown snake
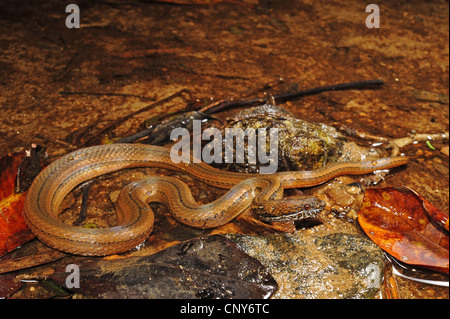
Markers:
<point>135,217</point>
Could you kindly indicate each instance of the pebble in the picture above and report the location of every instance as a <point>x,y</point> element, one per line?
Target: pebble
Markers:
<point>440,167</point>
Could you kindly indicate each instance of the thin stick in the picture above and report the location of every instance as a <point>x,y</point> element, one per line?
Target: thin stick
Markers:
<point>221,105</point>
<point>398,143</point>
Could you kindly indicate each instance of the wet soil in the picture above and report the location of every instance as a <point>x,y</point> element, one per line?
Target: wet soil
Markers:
<point>59,85</point>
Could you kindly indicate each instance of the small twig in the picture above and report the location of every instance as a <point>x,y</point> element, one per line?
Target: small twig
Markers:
<point>69,66</point>
<point>84,198</point>
<point>398,143</point>
<point>394,144</point>
<point>221,105</point>
<point>264,87</point>
<point>350,131</point>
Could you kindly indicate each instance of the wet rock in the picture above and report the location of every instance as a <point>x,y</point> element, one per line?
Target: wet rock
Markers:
<point>335,265</point>
<point>302,145</point>
<point>205,268</point>
<point>440,166</point>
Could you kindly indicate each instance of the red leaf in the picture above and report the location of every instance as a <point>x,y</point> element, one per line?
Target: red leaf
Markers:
<point>13,229</point>
<point>438,216</point>
<point>406,226</point>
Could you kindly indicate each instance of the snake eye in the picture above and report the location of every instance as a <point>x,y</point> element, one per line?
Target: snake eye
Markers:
<point>307,206</point>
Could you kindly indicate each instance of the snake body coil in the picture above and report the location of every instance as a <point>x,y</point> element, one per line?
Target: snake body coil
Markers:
<point>135,218</point>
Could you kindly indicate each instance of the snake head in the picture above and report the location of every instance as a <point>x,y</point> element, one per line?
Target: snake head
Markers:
<point>288,209</point>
